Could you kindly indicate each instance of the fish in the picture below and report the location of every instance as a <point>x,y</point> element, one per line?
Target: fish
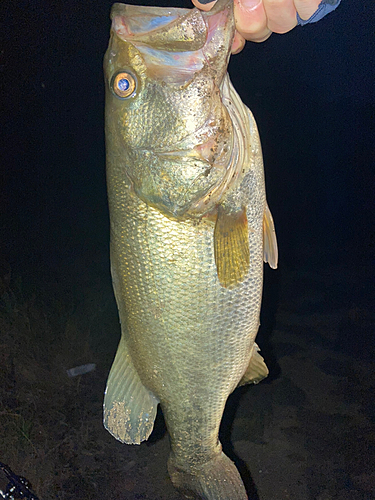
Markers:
<point>190,228</point>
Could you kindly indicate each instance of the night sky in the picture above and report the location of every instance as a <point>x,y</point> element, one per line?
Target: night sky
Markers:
<point>312,93</point>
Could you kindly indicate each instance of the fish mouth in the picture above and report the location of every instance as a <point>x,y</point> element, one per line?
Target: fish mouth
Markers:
<point>174,29</point>
<point>176,43</point>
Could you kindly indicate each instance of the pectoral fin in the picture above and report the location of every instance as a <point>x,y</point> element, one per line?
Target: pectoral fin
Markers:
<point>129,408</point>
<point>257,369</point>
<point>231,245</point>
<point>269,239</point>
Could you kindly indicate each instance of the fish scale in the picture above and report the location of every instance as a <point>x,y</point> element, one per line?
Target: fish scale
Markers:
<point>186,250</point>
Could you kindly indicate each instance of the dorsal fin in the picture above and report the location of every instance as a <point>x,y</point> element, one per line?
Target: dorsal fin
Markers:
<point>270,251</point>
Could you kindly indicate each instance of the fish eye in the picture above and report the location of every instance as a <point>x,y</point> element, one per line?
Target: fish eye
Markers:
<point>124,84</point>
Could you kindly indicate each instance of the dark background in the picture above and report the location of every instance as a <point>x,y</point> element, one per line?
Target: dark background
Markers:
<point>312,92</point>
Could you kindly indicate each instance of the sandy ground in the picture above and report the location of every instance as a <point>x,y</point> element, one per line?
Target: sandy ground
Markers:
<point>305,433</point>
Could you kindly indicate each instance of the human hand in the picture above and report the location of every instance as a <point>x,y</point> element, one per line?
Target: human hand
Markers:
<point>256,20</point>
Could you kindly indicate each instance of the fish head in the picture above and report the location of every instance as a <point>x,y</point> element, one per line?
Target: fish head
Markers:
<point>166,126</point>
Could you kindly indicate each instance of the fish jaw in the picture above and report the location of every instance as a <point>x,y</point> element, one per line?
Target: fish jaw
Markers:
<point>179,59</point>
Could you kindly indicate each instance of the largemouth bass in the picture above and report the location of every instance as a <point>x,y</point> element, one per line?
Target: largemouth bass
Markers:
<point>190,228</point>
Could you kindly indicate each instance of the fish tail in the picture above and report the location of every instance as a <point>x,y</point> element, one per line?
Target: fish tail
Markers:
<point>217,479</point>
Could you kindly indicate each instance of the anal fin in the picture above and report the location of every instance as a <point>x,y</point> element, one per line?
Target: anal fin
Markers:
<point>257,369</point>
<point>129,407</point>
<point>231,245</point>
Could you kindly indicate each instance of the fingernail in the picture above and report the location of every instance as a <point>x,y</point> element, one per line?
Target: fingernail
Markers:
<point>250,4</point>
<point>205,1</point>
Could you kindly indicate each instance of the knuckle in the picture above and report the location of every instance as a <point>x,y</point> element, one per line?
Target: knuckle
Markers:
<point>274,4</point>
<point>250,30</point>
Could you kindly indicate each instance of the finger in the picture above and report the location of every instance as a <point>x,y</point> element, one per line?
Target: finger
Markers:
<point>306,8</point>
<point>238,43</point>
<point>281,15</point>
<point>204,5</point>
<point>251,20</point>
